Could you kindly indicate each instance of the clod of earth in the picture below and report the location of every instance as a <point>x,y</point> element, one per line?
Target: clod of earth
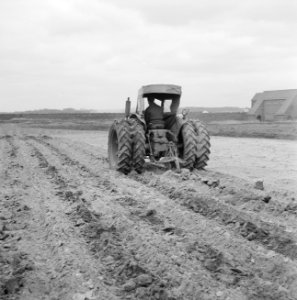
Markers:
<point>144,280</point>
<point>259,185</point>
<point>129,285</point>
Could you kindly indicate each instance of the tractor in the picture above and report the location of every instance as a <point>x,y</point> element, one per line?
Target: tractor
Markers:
<point>156,134</point>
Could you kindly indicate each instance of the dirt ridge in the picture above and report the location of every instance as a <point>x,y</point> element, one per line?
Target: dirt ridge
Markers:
<point>83,231</point>
<point>270,235</point>
<point>14,262</point>
<point>76,163</point>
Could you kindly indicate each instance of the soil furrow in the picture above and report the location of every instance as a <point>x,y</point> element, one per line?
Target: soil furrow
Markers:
<point>271,207</point>
<point>61,271</point>
<point>268,234</point>
<point>103,240</point>
<point>14,261</point>
<point>71,228</point>
<point>274,206</point>
<point>196,247</point>
<point>241,195</point>
<point>208,257</point>
<point>272,236</point>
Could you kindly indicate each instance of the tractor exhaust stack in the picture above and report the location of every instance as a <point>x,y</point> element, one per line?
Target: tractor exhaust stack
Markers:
<point>128,108</point>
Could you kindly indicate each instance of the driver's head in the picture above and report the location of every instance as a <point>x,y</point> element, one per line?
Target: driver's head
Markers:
<point>150,100</point>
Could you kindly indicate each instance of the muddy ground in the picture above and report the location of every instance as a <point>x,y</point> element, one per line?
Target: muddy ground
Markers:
<point>71,228</point>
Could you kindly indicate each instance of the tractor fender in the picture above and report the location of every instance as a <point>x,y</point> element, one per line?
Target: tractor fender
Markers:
<point>139,118</point>
<point>180,122</point>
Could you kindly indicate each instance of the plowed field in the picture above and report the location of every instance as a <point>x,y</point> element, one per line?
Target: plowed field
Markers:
<point>71,228</point>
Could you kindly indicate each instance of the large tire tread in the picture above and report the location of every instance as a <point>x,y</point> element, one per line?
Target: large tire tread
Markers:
<point>138,147</point>
<point>189,145</point>
<point>203,144</point>
<point>122,130</point>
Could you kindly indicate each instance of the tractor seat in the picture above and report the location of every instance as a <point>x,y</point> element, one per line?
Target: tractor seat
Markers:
<point>157,125</point>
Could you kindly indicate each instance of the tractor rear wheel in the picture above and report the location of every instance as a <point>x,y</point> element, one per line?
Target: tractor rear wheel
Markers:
<point>120,146</point>
<point>138,147</point>
<point>188,152</point>
<point>203,144</point>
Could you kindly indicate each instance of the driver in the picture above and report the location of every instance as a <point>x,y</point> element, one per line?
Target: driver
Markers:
<point>170,117</point>
<point>153,115</point>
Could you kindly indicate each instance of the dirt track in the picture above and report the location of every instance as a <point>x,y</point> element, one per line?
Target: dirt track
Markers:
<point>70,228</point>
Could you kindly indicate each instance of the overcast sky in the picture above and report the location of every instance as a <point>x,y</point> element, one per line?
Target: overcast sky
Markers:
<point>93,54</point>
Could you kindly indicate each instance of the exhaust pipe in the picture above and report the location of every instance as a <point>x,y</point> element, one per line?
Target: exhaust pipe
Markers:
<point>128,107</point>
